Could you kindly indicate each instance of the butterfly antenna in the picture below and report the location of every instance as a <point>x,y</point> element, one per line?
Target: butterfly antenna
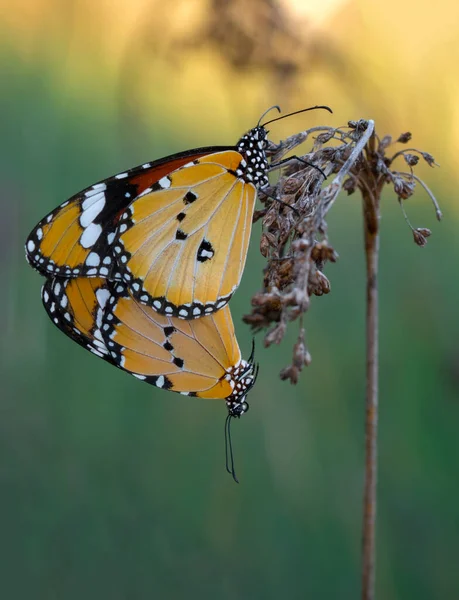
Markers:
<point>252,354</point>
<point>266,112</point>
<point>297,112</point>
<point>228,417</point>
<point>255,374</point>
<point>229,449</point>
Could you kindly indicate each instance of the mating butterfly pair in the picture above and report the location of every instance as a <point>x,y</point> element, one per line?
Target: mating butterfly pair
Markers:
<point>140,267</point>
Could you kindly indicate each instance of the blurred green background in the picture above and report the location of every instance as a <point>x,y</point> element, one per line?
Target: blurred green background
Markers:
<point>110,488</point>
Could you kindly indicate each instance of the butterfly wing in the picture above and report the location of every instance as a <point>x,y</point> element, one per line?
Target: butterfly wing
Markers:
<point>74,239</point>
<point>192,357</point>
<point>196,358</point>
<point>182,244</point>
<point>75,306</point>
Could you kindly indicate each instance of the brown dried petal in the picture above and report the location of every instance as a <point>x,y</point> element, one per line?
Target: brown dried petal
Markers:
<point>403,188</point>
<point>275,335</point>
<point>323,282</point>
<point>264,245</point>
<point>404,138</point>
<point>318,284</point>
<point>300,245</point>
<point>424,231</point>
<point>349,185</point>
<point>258,214</point>
<point>301,356</point>
<point>411,159</point>
<point>429,159</point>
<point>291,373</point>
<point>382,167</point>
<point>384,143</point>
<point>419,239</point>
<point>322,252</point>
<point>323,138</point>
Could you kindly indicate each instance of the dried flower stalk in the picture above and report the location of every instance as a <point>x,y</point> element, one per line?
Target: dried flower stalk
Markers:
<point>295,241</point>
<point>296,246</point>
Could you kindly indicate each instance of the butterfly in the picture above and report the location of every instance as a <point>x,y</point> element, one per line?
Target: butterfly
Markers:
<point>175,230</point>
<point>198,358</point>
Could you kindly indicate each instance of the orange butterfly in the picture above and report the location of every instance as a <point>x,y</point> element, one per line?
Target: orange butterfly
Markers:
<point>176,230</point>
<point>196,358</point>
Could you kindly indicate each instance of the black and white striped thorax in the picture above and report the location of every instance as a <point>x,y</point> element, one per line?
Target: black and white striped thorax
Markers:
<point>254,166</point>
<point>242,378</point>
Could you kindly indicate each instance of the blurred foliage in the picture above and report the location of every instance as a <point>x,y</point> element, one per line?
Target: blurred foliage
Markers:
<point>109,488</point>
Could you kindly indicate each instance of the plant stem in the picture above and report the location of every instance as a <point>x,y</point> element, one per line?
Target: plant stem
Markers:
<point>371,232</point>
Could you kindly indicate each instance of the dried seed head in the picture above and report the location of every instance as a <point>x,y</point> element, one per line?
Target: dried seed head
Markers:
<point>349,185</point>
<point>384,143</point>
<point>404,138</point>
<point>419,238</point>
<point>420,235</point>
<point>301,356</point>
<point>403,188</point>
<point>318,284</point>
<point>259,214</point>
<point>424,231</point>
<point>291,373</point>
<point>429,159</point>
<point>276,335</point>
<point>268,240</point>
<point>322,252</point>
<point>295,243</point>
<point>264,245</point>
<point>411,159</point>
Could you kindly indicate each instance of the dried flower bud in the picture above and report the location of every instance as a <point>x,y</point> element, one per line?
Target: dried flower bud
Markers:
<point>359,128</point>
<point>285,272</point>
<point>275,335</point>
<point>264,245</point>
<point>300,245</point>
<point>403,188</point>
<point>419,239</point>
<point>349,185</point>
<point>411,159</point>
<point>384,143</point>
<point>258,214</point>
<point>319,284</point>
<point>404,138</point>
<point>424,231</point>
<point>295,242</point>
<point>291,373</point>
<point>301,356</point>
<point>322,252</point>
<point>382,167</point>
<point>429,159</point>
<point>323,138</point>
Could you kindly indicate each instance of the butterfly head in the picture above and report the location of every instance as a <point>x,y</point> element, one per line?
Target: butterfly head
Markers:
<point>242,378</point>
<point>253,168</point>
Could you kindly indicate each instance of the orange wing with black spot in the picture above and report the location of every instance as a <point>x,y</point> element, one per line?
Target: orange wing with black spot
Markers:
<point>182,245</point>
<point>75,239</point>
<point>177,230</point>
<point>196,358</point>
